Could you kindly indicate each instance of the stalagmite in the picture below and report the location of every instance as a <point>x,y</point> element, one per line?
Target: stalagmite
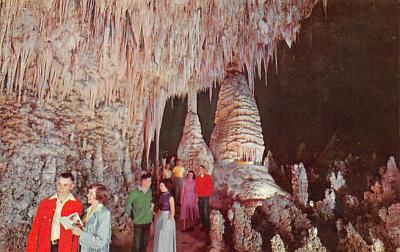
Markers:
<point>244,237</point>
<point>353,241</point>
<point>217,231</point>
<point>300,185</point>
<point>312,242</point>
<point>192,150</point>
<point>277,244</point>
<point>391,218</point>
<point>337,181</point>
<point>237,134</point>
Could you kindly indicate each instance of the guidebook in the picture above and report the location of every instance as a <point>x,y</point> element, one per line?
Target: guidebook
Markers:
<point>71,221</point>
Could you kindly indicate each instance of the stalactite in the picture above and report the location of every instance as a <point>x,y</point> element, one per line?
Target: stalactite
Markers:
<point>112,49</point>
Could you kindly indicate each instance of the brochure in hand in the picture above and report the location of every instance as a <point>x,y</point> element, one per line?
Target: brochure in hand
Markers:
<point>71,221</point>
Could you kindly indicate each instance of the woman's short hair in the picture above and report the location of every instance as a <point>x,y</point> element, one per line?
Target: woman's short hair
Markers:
<point>102,194</point>
<point>167,184</point>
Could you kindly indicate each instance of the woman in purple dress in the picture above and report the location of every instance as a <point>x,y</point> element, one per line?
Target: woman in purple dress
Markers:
<point>189,207</point>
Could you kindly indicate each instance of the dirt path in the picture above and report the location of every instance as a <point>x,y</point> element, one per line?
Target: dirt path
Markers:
<point>194,240</point>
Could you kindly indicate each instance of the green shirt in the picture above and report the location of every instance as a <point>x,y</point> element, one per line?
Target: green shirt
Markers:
<point>140,204</point>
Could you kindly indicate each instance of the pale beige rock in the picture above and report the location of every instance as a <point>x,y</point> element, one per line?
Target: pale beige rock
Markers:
<point>312,242</point>
<point>237,134</point>
<point>192,150</point>
<point>277,244</point>
<point>217,232</point>
<point>300,185</point>
<point>244,237</point>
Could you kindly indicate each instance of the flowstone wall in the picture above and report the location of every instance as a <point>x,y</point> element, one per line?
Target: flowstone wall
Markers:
<point>41,140</point>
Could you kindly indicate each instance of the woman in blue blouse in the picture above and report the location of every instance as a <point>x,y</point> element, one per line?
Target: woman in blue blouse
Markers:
<point>96,233</point>
<point>165,234</point>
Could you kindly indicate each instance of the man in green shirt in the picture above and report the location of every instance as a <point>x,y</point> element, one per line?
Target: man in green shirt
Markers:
<point>140,207</point>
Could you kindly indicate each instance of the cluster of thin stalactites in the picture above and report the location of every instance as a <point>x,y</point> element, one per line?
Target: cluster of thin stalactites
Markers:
<point>138,52</point>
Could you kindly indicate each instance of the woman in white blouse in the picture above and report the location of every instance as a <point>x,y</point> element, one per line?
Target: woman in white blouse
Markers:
<point>96,233</point>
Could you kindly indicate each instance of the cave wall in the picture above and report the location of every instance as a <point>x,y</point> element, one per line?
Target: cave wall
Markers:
<point>38,141</point>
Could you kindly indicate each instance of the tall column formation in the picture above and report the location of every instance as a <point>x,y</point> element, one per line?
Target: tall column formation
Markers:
<point>192,150</point>
<point>237,133</point>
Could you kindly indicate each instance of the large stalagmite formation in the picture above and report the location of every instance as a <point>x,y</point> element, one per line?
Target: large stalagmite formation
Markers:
<point>240,187</point>
<point>237,134</point>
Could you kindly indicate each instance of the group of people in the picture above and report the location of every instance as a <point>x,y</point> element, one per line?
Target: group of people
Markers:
<point>50,233</point>
<point>93,233</point>
<point>190,192</point>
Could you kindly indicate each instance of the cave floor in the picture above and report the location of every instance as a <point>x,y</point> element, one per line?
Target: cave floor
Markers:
<point>193,240</point>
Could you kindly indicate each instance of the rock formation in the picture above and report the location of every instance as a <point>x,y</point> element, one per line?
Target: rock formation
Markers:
<point>286,219</point>
<point>137,52</point>
<point>277,244</point>
<point>192,150</point>
<point>353,241</point>
<point>391,219</point>
<point>237,134</point>
<point>385,191</point>
<point>217,231</point>
<point>337,181</point>
<point>300,185</point>
<point>312,243</point>
<point>83,85</point>
<point>245,238</point>
<point>39,144</point>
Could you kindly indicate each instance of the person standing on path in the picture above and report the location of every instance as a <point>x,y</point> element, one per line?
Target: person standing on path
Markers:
<point>47,234</point>
<point>139,207</point>
<point>179,173</point>
<point>204,187</point>
<point>95,235</point>
<point>165,228</point>
<point>189,208</point>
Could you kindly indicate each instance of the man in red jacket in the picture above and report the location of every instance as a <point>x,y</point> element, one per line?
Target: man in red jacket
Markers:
<point>47,234</point>
<point>204,188</point>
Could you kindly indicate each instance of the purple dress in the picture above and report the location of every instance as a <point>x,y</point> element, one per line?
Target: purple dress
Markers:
<point>189,208</point>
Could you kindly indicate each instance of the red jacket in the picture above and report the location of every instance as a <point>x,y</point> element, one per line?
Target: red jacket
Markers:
<point>39,239</point>
<point>204,185</point>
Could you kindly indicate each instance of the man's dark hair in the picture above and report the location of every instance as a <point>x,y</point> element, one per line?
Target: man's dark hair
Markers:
<point>145,176</point>
<point>66,175</point>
